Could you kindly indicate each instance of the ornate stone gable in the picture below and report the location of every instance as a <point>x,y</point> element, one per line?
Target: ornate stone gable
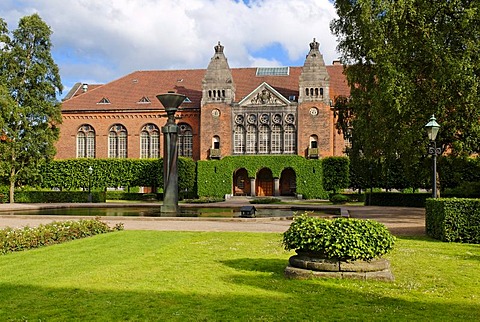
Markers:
<point>264,95</point>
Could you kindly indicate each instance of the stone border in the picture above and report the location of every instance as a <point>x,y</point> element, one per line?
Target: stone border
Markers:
<point>304,266</point>
<point>300,273</point>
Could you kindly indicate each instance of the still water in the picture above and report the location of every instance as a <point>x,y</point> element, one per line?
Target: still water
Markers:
<point>155,212</point>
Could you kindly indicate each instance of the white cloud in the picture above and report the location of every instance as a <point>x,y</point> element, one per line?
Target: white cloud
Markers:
<point>103,40</point>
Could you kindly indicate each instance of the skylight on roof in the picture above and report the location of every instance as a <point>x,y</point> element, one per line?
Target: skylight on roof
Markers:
<point>273,71</point>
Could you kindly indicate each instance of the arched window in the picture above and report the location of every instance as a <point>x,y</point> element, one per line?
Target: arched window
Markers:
<point>251,139</point>
<point>149,141</point>
<point>263,139</point>
<point>239,139</point>
<point>86,142</point>
<point>289,139</point>
<point>276,139</point>
<point>117,141</point>
<point>185,140</point>
<point>313,142</point>
<point>216,142</point>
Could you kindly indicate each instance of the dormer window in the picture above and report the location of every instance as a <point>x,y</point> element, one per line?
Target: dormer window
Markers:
<point>104,101</point>
<point>187,100</point>
<point>144,100</point>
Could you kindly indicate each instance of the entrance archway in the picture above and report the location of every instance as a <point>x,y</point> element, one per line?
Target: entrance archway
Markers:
<point>241,183</point>
<point>288,182</point>
<point>264,183</point>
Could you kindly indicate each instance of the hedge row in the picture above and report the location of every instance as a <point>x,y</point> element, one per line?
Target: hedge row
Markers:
<point>73,173</point>
<point>12,240</point>
<point>395,199</point>
<point>453,220</point>
<point>58,196</point>
<point>453,172</point>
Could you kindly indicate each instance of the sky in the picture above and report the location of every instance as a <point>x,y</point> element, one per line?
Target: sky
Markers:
<point>98,41</point>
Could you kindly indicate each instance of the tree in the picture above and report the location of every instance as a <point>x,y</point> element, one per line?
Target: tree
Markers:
<point>407,60</point>
<point>30,112</point>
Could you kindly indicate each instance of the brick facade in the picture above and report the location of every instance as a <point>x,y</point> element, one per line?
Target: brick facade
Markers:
<point>216,96</point>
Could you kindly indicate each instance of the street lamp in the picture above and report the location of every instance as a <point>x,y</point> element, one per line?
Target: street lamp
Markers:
<point>171,102</point>
<point>432,130</point>
<point>90,172</point>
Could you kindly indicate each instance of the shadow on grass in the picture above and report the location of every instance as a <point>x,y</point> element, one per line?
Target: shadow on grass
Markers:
<point>275,299</point>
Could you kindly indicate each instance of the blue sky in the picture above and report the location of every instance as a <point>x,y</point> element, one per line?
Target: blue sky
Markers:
<point>99,41</point>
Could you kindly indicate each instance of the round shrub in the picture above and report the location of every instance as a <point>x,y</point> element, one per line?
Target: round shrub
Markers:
<point>339,199</point>
<point>344,239</point>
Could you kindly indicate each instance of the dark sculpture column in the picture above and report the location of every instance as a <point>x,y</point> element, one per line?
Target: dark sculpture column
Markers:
<point>171,102</point>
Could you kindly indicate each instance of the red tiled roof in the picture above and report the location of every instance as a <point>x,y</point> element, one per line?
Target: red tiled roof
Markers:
<point>125,92</point>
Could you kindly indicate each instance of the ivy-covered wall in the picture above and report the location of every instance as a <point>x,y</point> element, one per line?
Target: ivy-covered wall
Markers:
<point>215,177</point>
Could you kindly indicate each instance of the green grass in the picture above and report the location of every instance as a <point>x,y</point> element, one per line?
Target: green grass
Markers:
<point>191,276</point>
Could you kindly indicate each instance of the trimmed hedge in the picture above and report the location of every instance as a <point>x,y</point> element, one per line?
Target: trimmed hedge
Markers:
<point>453,220</point>
<point>13,240</point>
<point>335,173</point>
<point>73,173</point>
<point>396,199</point>
<point>345,239</point>
<point>57,196</point>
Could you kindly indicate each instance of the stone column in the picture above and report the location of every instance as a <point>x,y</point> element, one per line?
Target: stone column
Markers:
<point>276,187</point>
<point>252,187</point>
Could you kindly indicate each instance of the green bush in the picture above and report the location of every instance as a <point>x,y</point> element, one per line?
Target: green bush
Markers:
<point>58,196</point>
<point>453,220</point>
<point>12,240</point>
<point>338,239</point>
<point>265,200</point>
<point>339,199</point>
<point>122,195</point>
<point>335,173</point>
<point>204,200</point>
<point>396,199</point>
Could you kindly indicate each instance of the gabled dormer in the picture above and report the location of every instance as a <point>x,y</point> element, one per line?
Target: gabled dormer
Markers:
<point>314,82</point>
<point>217,84</point>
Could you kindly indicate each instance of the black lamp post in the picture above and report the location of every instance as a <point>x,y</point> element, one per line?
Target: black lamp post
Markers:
<point>171,102</point>
<point>432,130</point>
<point>90,172</point>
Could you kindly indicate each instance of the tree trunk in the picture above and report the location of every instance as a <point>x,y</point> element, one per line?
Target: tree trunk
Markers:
<point>12,186</point>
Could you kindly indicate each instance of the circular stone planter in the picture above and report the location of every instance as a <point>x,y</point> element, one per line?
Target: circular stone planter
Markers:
<point>306,265</point>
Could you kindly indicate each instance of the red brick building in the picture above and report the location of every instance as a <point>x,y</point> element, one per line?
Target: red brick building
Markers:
<point>228,111</point>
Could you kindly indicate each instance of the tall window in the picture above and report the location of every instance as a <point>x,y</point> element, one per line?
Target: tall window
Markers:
<point>263,139</point>
<point>185,140</point>
<point>117,141</point>
<point>251,139</point>
<point>239,139</point>
<point>149,141</point>
<point>276,139</point>
<point>216,142</point>
<point>86,142</point>
<point>289,139</point>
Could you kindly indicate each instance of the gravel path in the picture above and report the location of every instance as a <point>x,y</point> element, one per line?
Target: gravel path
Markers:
<point>400,221</point>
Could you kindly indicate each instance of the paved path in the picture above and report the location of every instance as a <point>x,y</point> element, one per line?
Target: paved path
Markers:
<point>400,221</point>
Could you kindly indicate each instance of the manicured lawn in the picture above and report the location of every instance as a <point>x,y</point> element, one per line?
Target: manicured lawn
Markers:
<point>187,276</point>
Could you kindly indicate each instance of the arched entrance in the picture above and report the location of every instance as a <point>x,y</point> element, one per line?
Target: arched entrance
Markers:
<point>288,182</point>
<point>241,183</point>
<point>264,183</point>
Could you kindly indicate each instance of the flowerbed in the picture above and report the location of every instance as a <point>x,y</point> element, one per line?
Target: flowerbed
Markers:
<point>18,239</point>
